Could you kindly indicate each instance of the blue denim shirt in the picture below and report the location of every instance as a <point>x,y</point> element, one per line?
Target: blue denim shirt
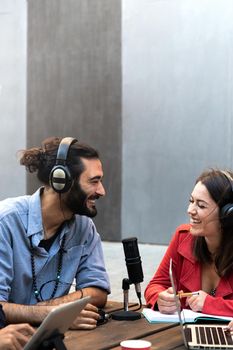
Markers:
<point>20,218</point>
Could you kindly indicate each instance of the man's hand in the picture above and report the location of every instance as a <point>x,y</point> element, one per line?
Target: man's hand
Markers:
<point>166,301</point>
<point>15,336</point>
<point>87,318</point>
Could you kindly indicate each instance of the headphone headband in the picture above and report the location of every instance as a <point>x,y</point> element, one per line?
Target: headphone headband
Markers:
<point>63,150</point>
<point>227,209</point>
<point>228,176</point>
<point>60,176</point>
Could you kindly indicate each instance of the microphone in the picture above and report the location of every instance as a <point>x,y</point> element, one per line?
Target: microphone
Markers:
<point>133,263</point>
<point>135,274</point>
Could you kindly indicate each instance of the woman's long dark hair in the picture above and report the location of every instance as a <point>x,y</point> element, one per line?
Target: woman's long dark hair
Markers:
<point>219,187</point>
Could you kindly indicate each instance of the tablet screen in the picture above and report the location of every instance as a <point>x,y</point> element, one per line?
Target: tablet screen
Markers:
<point>56,322</point>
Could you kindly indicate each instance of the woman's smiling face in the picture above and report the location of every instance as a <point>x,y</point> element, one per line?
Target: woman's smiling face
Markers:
<point>203,212</point>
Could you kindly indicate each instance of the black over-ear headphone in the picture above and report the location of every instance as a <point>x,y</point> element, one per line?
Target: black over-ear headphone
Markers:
<point>60,177</point>
<point>227,209</point>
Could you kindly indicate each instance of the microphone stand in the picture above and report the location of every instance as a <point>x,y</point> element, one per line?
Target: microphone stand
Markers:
<point>126,315</point>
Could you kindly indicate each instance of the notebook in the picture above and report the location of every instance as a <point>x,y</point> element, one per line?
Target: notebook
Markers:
<point>56,322</point>
<point>190,316</point>
<point>200,336</point>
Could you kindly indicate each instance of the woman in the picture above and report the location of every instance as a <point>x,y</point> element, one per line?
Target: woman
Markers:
<point>202,251</point>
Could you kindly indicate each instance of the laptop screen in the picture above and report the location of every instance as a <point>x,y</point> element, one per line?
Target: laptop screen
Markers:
<point>177,300</point>
<point>201,336</point>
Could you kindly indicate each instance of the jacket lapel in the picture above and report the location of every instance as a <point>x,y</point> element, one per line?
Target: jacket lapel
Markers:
<point>190,275</point>
<point>225,287</point>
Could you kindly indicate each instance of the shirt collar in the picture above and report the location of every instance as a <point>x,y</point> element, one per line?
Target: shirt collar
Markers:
<point>35,223</point>
<point>35,214</point>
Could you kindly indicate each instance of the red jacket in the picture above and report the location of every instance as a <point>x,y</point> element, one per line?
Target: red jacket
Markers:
<point>187,272</point>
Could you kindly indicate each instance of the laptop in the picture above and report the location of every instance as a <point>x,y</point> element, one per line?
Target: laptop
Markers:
<point>56,322</point>
<point>200,336</point>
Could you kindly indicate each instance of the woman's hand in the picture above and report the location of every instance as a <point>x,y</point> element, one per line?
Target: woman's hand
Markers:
<point>87,318</point>
<point>166,301</point>
<point>230,326</point>
<point>196,302</point>
<point>15,336</point>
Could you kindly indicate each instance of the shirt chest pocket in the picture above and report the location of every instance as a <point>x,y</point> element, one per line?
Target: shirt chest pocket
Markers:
<point>71,261</point>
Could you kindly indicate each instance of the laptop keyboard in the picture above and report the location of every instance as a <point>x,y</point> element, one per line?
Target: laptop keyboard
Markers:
<point>212,336</point>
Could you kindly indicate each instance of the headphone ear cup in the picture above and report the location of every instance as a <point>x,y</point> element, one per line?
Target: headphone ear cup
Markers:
<point>227,211</point>
<point>60,179</point>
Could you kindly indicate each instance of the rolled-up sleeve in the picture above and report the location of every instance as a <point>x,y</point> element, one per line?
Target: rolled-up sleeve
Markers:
<point>91,270</point>
<point>6,263</point>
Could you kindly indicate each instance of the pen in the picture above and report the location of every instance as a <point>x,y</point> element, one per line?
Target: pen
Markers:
<point>188,294</point>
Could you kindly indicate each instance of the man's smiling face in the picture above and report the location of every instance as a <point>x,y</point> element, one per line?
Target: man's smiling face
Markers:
<point>83,194</point>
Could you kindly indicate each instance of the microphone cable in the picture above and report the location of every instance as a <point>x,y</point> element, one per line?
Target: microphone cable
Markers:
<point>140,302</point>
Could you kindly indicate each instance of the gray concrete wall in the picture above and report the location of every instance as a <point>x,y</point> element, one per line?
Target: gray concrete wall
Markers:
<point>177,107</point>
<point>154,98</point>
<point>74,86</point>
<point>13,29</point>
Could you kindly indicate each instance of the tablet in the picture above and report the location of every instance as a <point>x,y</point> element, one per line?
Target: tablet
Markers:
<point>56,322</point>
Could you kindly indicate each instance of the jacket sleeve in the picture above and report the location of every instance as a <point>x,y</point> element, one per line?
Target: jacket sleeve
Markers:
<point>161,280</point>
<point>218,306</point>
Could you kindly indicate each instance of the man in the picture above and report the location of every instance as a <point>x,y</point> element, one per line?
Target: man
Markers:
<point>48,239</point>
<point>15,336</point>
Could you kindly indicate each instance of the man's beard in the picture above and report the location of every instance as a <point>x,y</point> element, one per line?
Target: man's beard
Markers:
<point>76,201</point>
